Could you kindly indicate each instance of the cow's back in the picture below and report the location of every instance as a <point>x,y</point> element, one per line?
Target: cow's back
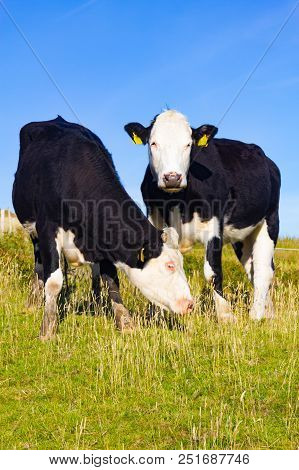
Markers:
<point>58,161</point>
<point>253,180</point>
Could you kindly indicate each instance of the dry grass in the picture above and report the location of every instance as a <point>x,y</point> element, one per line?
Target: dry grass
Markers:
<point>208,386</point>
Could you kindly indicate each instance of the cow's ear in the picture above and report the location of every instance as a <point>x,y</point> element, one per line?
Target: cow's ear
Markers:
<point>138,133</point>
<point>203,134</point>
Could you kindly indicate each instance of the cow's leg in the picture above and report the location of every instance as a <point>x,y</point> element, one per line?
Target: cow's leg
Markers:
<point>213,273</point>
<point>123,319</point>
<point>273,230</point>
<point>244,252</point>
<point>65,273</point>
<point>53,279</point>
<point>36,293</point>
<point>263,271</point>
<point>155,217</point>
<point>95,282</point>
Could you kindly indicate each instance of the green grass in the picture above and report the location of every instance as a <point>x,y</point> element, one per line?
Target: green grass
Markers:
<point>211,386</point>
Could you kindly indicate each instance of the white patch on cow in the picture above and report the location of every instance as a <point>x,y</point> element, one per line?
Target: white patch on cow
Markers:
<point>53,287</point>
<point>169,146</point>
<point>65,240</point>
<point>54,284</point>
<point>263,252</point>
<point>30,228</point>
<point>208,271</point>
<point>194,231</point>
<point>223,309</point>
<point>166,288</point>
<point>233,235</point>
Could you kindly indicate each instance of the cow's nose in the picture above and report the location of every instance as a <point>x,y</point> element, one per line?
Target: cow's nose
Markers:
<point>172,179</point>
<point>186,305</point>
<point>189,306</point>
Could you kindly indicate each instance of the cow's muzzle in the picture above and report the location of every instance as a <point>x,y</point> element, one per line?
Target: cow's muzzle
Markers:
<point>185,306</point>
<point>172,180</point>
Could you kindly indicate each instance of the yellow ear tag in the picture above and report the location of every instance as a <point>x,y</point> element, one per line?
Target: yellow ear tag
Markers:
<point>141,255</point>
<point>137,139</point>
<point>203,141</point>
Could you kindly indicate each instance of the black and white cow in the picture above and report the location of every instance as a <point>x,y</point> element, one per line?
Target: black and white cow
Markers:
<point>214,191</point>
<point>68,196</point>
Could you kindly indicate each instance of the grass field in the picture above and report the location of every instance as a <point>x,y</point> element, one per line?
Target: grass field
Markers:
<point>209,386</point>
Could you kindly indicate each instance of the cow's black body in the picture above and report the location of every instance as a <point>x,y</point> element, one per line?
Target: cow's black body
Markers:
<point>239,186</point>
<point>66,180</point>
<point>228,179</point>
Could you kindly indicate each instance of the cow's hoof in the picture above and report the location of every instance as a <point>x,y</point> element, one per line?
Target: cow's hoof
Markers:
<point>256,315</point>
<point>227,318</point>
<point>48,329</point>
<point>269,311</point>
<point>123,320</point>
<point>256,319</point>
<point>47,336</point>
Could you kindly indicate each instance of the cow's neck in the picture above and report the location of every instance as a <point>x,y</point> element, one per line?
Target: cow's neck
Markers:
<point>134,237</point>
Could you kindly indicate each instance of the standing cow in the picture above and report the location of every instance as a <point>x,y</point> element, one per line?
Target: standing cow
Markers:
<point>68,196</point>
<point>214,191</point>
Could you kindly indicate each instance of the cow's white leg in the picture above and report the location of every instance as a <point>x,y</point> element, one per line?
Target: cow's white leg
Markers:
<point>213,269</point>
<point>53,276</point>
<point>53,287</point>
<point>263,252</point>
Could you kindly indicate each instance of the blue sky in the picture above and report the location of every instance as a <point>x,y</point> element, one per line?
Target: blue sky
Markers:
<point>120,61</point>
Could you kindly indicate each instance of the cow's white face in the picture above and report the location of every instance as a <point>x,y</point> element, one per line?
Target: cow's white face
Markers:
<point>169,148</point>
<point>170,139</point>
<point>162,280</point>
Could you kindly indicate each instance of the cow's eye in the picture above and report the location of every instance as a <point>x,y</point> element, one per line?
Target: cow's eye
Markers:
<point>153,144</point>
<point>188,145</point>
<point>170,266</point>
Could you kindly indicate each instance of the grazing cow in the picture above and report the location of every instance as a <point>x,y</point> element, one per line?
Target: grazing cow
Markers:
<point>68,196</point>
<point>214,191</point>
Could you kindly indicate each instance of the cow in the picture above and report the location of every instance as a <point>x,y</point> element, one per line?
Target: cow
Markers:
<point>68,196</point>
<point>213,191</point>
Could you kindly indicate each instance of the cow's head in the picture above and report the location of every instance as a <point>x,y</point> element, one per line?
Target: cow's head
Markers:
<point>170,138</point>
<point>162,279</point>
